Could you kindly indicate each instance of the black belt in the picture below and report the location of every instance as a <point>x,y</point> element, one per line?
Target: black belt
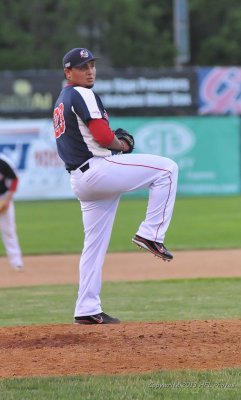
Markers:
<point>82,169</point>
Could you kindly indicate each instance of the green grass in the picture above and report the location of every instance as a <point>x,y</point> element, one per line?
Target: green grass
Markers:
<point>206,223</point>
<point>184,385</point>
<point>134,301</point>
<point>198,223</point>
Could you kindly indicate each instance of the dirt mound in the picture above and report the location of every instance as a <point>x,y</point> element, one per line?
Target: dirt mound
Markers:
<point>40,350</point>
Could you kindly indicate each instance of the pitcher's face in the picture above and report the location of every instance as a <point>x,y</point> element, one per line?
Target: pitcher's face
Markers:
<point>82,76</point>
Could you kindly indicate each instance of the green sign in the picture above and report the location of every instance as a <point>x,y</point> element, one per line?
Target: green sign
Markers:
<point>206,149</point>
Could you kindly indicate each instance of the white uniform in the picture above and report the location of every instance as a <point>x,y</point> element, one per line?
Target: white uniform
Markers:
<point>99,190</point>
<point>101,182</point>
<point>8,182</point>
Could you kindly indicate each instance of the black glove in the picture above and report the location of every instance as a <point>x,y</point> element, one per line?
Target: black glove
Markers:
<point>121,134</point>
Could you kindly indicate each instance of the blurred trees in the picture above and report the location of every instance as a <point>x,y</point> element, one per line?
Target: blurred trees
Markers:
<point>215,32</point>
<point>125,33</point>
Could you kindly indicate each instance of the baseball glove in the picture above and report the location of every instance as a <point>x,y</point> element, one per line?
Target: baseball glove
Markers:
<point>124,135</point>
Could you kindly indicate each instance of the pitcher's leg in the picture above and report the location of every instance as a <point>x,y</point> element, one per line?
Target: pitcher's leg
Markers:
<point>159,175</point>
<point>10,238</point>
<point>98,218</point>
<point>162,194</point>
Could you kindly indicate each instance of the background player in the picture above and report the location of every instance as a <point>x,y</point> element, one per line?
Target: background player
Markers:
<point>86,144</point>
<point>8,186</point>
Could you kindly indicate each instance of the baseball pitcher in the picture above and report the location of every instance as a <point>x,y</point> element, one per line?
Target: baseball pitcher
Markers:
<point>102,167</point>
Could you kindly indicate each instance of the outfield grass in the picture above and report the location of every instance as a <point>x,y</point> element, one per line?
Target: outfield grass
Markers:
<point>183,385</point>
<point>198,223</point>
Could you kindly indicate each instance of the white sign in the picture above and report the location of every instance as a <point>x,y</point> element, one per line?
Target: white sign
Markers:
<point>31,145</point>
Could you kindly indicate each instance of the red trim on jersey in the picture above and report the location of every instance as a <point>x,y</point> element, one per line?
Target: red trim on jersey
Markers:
<point>137,165</point>
<point>101,131</point>
<point>14,185</point>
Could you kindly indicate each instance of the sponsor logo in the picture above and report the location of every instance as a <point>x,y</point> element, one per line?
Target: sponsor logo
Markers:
<point>22,87</point>
<point>220,90</point>
<point>168,139</point>
<point>25,98</point>
<point>98,319</point>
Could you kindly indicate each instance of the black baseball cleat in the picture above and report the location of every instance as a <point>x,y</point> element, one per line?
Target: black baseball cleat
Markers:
<point>101,318</point>
<point>158,249</point>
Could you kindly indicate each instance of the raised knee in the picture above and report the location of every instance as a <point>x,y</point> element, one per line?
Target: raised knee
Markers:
<point>174,167</point>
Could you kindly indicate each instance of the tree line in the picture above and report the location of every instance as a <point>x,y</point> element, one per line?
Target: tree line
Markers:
<point>124,33</point>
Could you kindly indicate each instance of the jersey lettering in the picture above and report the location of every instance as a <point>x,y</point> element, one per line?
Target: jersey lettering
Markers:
<point>59,122</point>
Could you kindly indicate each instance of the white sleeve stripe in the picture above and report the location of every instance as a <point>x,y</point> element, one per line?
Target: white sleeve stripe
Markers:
<point>90,101</point>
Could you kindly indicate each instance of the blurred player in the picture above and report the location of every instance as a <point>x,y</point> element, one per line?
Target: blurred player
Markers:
<point>8,186</point>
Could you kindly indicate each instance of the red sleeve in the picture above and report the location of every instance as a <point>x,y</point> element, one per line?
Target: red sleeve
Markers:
<point>14,185</point>
<point>101,131</point>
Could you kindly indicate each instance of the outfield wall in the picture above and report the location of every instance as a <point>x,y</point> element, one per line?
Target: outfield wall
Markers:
<point>206,148</point>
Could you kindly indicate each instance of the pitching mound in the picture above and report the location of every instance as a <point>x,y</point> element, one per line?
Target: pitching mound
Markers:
<point>40,350</point>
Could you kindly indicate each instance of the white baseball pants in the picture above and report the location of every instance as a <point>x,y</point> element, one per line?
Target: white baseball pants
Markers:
<point>9,236</point>
<point>99,190</point>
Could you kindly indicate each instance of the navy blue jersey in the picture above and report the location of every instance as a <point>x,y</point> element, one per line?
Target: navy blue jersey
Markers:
<point>73,109</point>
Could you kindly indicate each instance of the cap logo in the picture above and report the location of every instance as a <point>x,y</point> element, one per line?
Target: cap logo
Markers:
<point>84,54</point>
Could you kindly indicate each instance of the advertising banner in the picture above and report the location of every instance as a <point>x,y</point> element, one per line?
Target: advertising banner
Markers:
<point>32,94</point>
<point>206,149</point>
<point>30,144</point>
<point>29,94</point>
<point>166,92</point>
<point>219,91</point>
<point>146,92</point>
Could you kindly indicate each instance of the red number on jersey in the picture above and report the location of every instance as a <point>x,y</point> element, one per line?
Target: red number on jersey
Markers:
<point>59,122</point>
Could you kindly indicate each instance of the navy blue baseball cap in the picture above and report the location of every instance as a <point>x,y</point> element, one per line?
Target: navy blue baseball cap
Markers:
<point>77,57</point>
